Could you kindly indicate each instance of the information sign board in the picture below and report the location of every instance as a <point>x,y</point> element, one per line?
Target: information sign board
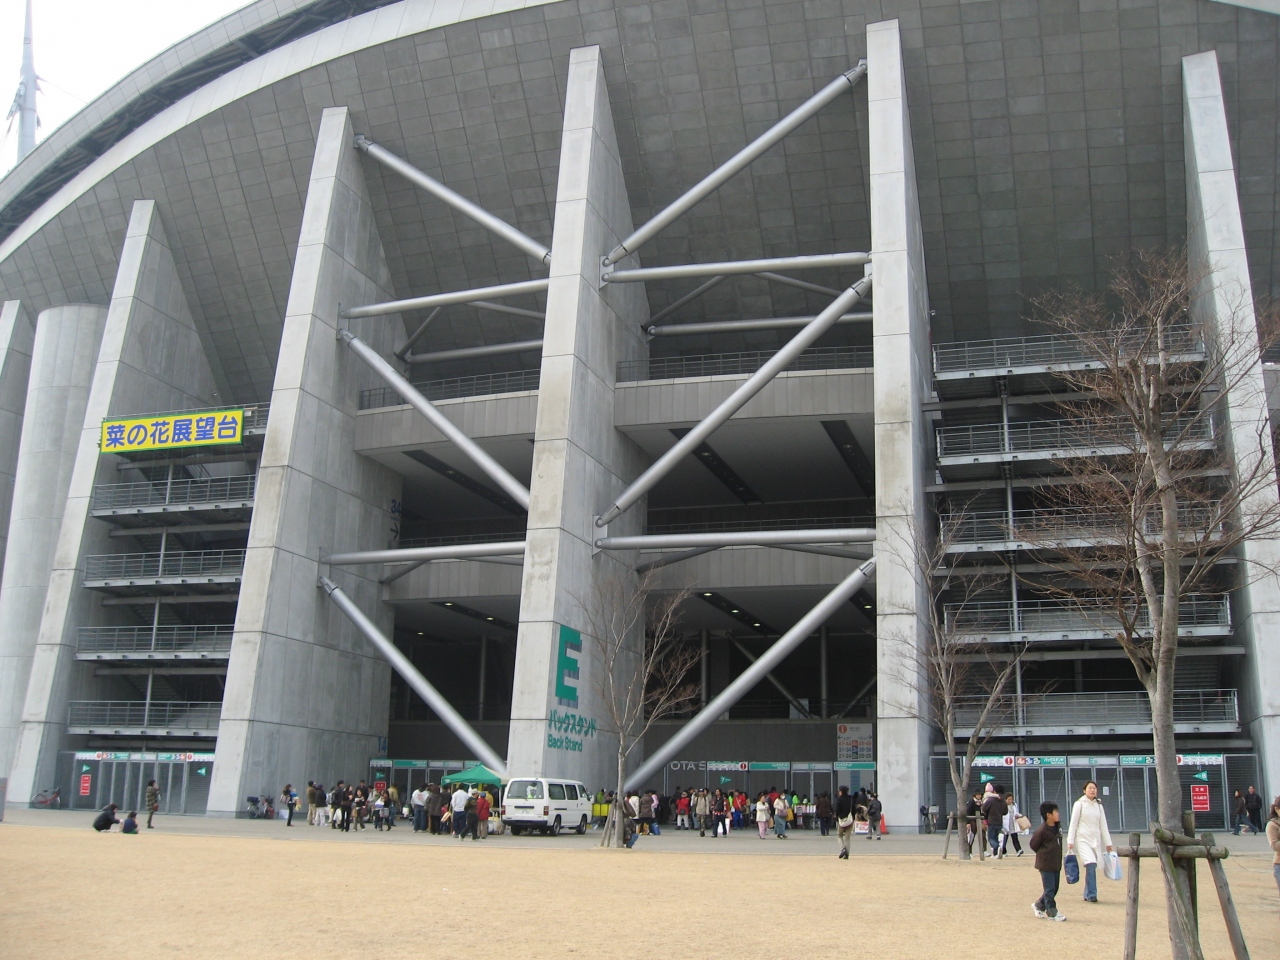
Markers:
<point>174,431</point>
<point>1200,797</point>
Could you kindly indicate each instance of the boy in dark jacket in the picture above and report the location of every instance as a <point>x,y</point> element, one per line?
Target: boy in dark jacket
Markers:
<point>1046,842</point>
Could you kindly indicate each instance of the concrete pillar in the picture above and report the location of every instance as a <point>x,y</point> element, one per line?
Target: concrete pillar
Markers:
<point>901,344</point>
<point>61,364</point>
<point>16,336</point>
<point>307,696</point>
<point>150,360</point>
<point>580,461</point>
<point>1224,304</point>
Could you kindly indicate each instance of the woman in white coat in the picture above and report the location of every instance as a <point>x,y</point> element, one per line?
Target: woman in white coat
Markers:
<point>1088,837</point>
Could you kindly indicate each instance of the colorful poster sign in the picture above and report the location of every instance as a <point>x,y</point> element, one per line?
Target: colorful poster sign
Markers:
<point>86,781</point>
<point>1200,798</point>
<point>172,431</point>
<point>855,741</point>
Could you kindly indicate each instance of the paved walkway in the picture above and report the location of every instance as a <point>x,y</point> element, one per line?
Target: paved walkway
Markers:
<point>798,842</point>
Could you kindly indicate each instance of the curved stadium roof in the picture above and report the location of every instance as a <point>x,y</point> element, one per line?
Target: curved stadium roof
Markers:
<point>1047,136</point>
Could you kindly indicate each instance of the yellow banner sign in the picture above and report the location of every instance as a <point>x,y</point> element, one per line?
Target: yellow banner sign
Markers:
<point>172,431</point>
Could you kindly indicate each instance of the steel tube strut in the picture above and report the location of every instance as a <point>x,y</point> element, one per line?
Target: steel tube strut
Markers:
<point>734,267</point>
<point>447,299</point>
<point>463,353</point>
<point>740,687</point>
<point>495,225</point>
<point>744,538</point>
<point>738,399</point>
<point>740,326</point>
<point>503,308</point>
<point>687,298</point>
<point>496,472</point>
<point>420,685</point>
<point>800,284</point>
<point>454,551</point>
<point>791,698</point>
<point>417,334</point>
<point>739,161</point>
<point>673,558</point>
<point>405,570</point>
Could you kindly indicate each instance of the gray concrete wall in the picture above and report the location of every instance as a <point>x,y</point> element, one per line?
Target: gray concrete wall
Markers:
<point>61,364</point>
<point>901,343</point>
<point>580,461</point>
<point>801,393</point>
<point>1224,303</point>
<point>306,695</point>
<point>16,337</point>
<point>150,360</point>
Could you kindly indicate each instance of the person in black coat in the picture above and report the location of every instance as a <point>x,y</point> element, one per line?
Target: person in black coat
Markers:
<point>844,820</point>
<point>106,819</point>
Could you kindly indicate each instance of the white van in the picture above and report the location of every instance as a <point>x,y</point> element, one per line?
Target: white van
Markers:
<point>546,805</point>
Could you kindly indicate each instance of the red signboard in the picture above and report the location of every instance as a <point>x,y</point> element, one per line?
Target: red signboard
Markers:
<point>381,785</point>
<point>1200,797</point>
<point>85,780</point>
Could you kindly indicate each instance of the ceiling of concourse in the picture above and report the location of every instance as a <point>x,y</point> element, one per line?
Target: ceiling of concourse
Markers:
<point>1046,140</point>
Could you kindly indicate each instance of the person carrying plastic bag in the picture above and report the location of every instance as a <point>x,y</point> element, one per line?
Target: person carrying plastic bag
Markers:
<point>1089,837</point>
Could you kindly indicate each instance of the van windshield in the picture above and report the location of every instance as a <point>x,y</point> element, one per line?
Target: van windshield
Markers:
<point>524,790</point>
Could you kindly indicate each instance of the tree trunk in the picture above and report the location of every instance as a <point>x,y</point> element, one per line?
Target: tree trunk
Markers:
<point>1168,790</point>
<point>619,797</point>
<point>1168,784</point>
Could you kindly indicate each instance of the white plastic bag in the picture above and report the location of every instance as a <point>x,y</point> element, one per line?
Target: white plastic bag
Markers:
<point>1111,866</point>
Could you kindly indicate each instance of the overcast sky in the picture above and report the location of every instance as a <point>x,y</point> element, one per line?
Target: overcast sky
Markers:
<point>82,47</point>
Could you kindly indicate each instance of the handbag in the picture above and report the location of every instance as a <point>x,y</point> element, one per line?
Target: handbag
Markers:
<point>845,822</point>
<point>791,815</point>
<point>1024,824</point>
<point>1071,867</point>
<point>1111,867</point>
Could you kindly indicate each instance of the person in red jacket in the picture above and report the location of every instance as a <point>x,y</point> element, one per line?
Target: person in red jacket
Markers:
<point>482,814</point>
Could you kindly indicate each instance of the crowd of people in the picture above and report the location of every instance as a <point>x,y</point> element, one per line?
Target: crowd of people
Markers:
<point>461,811</point>
<point>719,812</point>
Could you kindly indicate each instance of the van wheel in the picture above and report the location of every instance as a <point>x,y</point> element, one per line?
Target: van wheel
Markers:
<point>516,831</point>
<point>554,829</point>
<point>582,827</point>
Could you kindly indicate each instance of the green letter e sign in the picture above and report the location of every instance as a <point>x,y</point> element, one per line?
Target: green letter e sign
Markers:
<point>567,666</point>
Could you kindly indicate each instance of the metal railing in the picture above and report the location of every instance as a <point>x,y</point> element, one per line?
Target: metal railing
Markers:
<point>149,493</point>
<point>1046,525</point>
<point>784,523</point>
<point>1047,350</point>
<point>1054,435</point>
<point>165,638</point>
<point>732,364</point>
<point>1052,616</point>
<point>454,388</point>
<point>181,563</point>
<point>168,714</point>
<point>1118,707</point>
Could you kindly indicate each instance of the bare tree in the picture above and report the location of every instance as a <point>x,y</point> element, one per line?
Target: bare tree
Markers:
<point>642,666</point>
<point>966,676</point>
<point>1158,494</point>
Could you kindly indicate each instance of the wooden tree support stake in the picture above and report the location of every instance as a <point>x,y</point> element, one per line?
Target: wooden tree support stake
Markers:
<point>1131,905</point>
<point>1219,874</point>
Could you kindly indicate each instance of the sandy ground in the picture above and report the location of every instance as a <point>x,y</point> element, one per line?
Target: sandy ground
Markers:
<point>242,890</point>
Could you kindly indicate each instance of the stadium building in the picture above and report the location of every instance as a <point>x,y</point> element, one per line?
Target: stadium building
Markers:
<point>354,351</point>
